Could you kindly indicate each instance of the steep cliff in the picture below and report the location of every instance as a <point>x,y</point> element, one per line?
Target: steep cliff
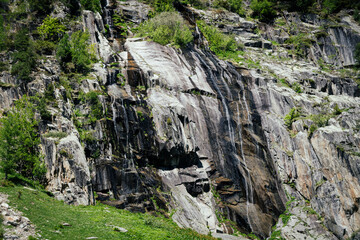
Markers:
<point>219,146</point>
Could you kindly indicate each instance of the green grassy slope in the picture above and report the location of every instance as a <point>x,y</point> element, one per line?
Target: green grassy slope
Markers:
<point>48,215</point>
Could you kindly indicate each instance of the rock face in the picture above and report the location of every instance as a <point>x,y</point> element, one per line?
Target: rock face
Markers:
<point>203,140</point>
<point>68,171</point>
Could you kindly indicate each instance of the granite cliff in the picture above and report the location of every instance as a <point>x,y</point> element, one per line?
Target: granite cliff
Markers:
<point>268,145</point>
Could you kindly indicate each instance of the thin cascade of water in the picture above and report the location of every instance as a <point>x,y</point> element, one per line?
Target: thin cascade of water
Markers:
<point>223,100</point>
<point>113,99</point>
<point>108,19</point>
<point>126,126</point>
<point>248,189</point>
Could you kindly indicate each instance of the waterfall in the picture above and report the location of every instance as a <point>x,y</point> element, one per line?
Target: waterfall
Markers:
<point>248,190</point>
<point>223,100</point>
<point>126,121</point>
<point>108,19</point>
<point>113,100</point>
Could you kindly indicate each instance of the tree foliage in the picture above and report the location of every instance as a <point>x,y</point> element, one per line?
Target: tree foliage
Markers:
<point>263,10</point>
<point>222,45</point>
<point>92,5</point>
<point>24,57</point>
<point>51,29</point>
<point>3,35</point>
<point>230,5</point>
<point>74,50</point>
<point>167,28</point>
<point>19,142</point>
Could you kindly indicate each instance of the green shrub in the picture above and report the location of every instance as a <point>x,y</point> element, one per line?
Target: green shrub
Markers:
<point>296,87</point>
<point>63,51</point>
<point>19,142</point>
<point>301,42</point>
<point>96,108</point>
<point>167,28</point>
<point>163,5</point>
<point>263,10</point>
<point>120,24</point>
<point>331,6</point>
<point>79,51</point>
<point>199,4</point>
<point>3,34</point>
<point>74,50</point>
<point>230,5</point>
<point>24,58</point>
<point>337,110</point>
<point>321,120</point>
<point>43,47</point>
<point>51,29</point>
<point>222,45</point>
<point>312,129</point>
<point>291,117</point>
<point>92,5</point>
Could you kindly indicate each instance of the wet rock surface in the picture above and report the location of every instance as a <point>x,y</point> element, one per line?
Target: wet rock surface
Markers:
<point>203,140</point>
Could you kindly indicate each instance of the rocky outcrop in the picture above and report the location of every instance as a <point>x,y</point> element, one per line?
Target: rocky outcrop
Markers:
<point>68,171</point>
<point>205,141</point>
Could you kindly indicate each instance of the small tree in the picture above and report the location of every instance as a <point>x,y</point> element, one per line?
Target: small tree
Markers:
<point>92,5</point>
<point>167,27</point>
<point>263,10</point>
<point>75,50</point>
<point>51,29</point>
<point>24,57</point>
<point>19,142</point>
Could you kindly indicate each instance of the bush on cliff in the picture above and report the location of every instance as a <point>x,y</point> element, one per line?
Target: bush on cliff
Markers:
<point>51,29</point>
<point>74,50</point>
<point>19,142</point>
<point>263,10</point>
<point>167,28</point>
<point>92,5</point>
<point>230,5</point>
<point>24,57</point>
<point>224,46</point>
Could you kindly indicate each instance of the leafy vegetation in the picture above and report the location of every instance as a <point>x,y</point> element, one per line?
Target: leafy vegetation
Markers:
<point>51,29</point>
<point>300,43</point>
<point>263,10</point>
<point>24,57</point>
<point>101,221</point>
<point>74,50</point>
<point>222,45</point>
<point>230,5</point>
<point>167,28</point>
<point>3,34</point>
<point>120,24</point>
<point>19,142</point>
<point>96,108</point>
<point>291,117</point>
<point>92,5</point>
